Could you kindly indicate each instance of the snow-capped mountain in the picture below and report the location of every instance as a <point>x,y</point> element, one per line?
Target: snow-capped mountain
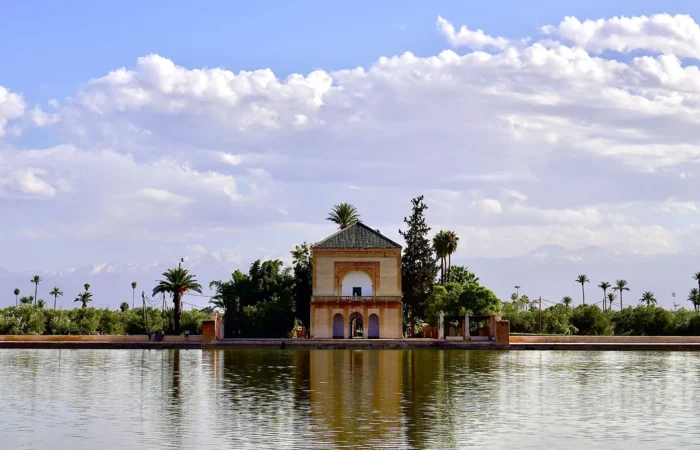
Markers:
<point>111,282</point>
<point>548,271</point>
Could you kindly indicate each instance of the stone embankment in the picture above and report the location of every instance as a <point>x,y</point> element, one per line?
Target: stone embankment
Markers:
<point>198,342</point>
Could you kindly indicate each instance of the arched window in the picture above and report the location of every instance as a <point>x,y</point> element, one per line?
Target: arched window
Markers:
<point>357,283</point>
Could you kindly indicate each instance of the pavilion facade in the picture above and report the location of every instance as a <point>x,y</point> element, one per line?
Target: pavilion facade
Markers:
<point>356,286</point>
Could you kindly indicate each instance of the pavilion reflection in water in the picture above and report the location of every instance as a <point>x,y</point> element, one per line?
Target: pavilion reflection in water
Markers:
<point>352,398</point>
<point>355,392</point>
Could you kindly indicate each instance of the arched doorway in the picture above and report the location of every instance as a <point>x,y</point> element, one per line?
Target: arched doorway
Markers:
<point>373,326</point>
<point>355,326</point>
<point>338,324</point>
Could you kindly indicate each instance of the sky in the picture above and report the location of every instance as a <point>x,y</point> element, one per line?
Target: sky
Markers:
<point>146,131</point>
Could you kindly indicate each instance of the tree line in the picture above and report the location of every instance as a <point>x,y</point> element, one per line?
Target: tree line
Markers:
<point>271,300</point>
<point>26,319</point>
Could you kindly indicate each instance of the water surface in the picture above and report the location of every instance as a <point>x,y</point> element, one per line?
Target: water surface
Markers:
<point>113,399</point>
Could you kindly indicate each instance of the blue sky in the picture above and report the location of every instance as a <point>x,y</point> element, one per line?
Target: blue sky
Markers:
<point>49,47</point>
<point>128,132</point>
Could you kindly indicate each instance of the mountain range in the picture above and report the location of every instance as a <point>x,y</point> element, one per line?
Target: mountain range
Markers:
<point>548,271</point>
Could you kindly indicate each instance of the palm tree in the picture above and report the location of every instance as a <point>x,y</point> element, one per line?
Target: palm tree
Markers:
<point>611,299</point>
<point>344,215</point>
<point>452,241</point>
<point>694,298</point>
<point>566,301</point>
<point>36,279</point>
<point>124,307</point>
<point>696,277</point>
<point>462,275</point>
<point>40,303</point>
<point>177,282</point>
<point>470,278</point>
<point>26,300</point>
<point>583,279</point>
<point>604,285</point>
<point>440,247</point>
<point>648,298</point>
<point>16,295</point>
<point>84,298</point>
<point>133,293</point>
<point>621,285</point>
<point>55,292</point>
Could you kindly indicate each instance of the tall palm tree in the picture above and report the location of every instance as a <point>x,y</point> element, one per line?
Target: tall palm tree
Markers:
<point>694,298</point>
<point>621,286</point>
<point>648,298</point>
<point>133,293</point>
<point>566,301</point>
<point>16,296</point>
<point>344,215</point>
<point>84,298</point>
<point>452,241</point>
<point>583,279</point>
<point>604,285</point>
<point>55,292</point>
<point>696,277</point>
<point>440,247</point>
<point>611,299</point>
<point>177,282</point>
<point>36,279</point>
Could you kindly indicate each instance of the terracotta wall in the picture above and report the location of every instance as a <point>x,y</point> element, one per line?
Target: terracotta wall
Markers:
<point>95,338</point>
<point>388,274</point>
<point>390,320</point>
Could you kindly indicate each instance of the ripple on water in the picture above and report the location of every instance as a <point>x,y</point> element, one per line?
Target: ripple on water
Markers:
<point>86,399</point>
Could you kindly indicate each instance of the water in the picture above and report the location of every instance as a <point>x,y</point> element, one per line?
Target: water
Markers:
<point>111,399</point>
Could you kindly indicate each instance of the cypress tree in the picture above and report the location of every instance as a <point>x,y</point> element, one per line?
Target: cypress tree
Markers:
<point>418,267</point>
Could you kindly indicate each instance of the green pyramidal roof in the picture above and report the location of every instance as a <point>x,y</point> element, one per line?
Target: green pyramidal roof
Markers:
<point>358,235</point>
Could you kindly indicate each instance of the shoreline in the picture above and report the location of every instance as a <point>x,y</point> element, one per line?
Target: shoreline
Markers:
<point>653,344</point>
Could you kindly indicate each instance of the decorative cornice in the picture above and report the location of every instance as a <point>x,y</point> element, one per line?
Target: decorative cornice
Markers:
<point>357,252</point>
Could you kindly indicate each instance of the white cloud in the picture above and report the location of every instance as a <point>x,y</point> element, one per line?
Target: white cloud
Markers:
<point>161,195</point>
<point>517,195</point>
<point>468,38</point>
<point>228,158</point>
<point>488,206</point>
<point>41,118</point>
<point>28,181</point>
<point>12,106</point>
<point>663,33</point>
<point>673,206</point>
<point>555,143</point>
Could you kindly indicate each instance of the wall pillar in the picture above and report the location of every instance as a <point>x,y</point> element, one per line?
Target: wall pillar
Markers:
<point>492,326</point>
<point>503,332</point>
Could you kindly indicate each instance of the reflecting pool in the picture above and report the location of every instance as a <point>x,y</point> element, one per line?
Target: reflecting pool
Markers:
<point>191,399</point>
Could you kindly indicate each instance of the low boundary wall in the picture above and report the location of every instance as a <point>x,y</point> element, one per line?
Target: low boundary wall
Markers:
<point>656,343</point>
<point>92,338</point>
<point>604,339</point>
